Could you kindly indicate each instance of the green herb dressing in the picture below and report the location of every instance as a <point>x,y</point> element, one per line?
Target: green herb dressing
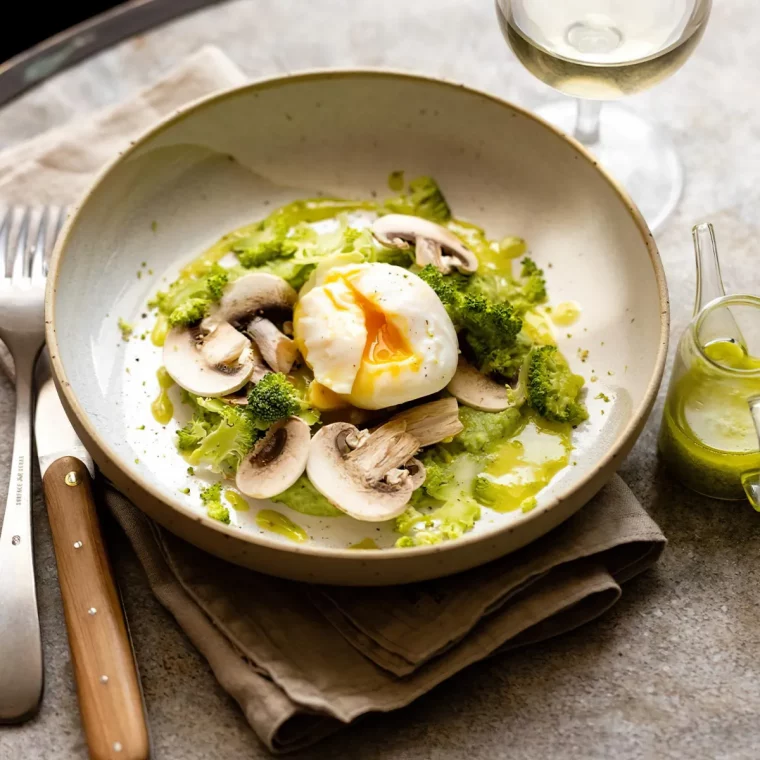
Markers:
<point>275,522</point>
<point>159,331</point>
<point>162,407</point>
<point>708,437</point>
<point>523,466</point>
<point>365,543</point>
<point>236,501</point>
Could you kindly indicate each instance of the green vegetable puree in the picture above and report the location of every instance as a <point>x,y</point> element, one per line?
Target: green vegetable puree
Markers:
<point>707,437</point>
<point>276,522</point>
<point>162,407</point>
<point>238,503</point>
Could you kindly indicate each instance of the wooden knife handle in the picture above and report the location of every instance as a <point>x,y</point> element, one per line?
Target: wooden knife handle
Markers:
<point>110,701</point>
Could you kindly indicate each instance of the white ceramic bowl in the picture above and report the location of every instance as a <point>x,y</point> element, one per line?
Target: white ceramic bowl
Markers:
<point>230,159</point>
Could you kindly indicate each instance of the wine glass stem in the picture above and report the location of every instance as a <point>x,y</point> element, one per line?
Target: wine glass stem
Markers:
<point>587,121</point>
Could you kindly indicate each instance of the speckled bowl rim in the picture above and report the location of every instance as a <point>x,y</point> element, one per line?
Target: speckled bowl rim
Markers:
<point>619,445</point>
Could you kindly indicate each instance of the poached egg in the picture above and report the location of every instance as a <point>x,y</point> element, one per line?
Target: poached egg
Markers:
<point>375,335</point>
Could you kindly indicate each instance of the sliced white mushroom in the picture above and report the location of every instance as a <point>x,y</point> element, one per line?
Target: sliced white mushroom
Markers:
<point>433,244</point>
<point>478,391</point>
<point>433,422</point>
<point>187,365</point>
<point>279,351</point>
<point>251,295</point>
<point>370,477</point>
<point>276,461</point>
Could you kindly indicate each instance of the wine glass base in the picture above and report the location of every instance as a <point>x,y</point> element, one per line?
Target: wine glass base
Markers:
<point>638,154</point>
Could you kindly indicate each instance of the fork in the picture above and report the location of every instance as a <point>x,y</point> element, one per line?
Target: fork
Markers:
<point>26,238</point>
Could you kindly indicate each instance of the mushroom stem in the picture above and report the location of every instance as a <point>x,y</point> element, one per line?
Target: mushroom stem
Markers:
<point>434,244</point>
<point>278,350</point>
<point>432,422</point>
<point>389,447</point>
<point>223,345</point>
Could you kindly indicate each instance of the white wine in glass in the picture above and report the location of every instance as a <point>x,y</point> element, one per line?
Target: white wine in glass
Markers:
<point>598,50</point>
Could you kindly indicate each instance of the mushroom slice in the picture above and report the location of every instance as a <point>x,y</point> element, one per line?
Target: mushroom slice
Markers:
<point>432,422</point>
<point>186,364</point>
<point>276,461</point>
<point>278,350</point>
<point>476,390</point>
<point>370,477</point>
<point>433,244</point>
<point>251,294</point>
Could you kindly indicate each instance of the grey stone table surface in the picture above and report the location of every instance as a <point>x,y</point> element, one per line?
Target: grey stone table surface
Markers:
<point>673,671</point>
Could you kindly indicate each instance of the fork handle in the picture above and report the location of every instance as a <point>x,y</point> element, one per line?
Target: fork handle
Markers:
<point>20,645</point>
<point>108,688</point>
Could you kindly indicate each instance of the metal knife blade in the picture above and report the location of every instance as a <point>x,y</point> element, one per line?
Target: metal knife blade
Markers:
<point>53,432</point>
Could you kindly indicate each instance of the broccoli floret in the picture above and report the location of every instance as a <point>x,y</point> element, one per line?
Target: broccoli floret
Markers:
<point>218,435</point>
<point>533,285</point>
<point>273,398</point>
<point>446,287</point>
<point>424,198</point>
<point>212,493</point>
<point>207,287</point>
<point>492,323</point>
<point>552,389</point>
<point>189,312</point>
<point>505,360</point>
<point>257,254</point>
<point>212,500</point>
<point>216,281</point>
<point>491,330</point>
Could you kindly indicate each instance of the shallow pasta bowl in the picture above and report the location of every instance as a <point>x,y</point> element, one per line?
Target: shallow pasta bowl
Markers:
<point>228,160</point>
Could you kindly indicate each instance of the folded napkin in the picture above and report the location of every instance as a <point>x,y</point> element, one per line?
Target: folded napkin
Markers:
<point>302,660</point>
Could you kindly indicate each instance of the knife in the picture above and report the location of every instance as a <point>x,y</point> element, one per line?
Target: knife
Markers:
<point>108,686</point>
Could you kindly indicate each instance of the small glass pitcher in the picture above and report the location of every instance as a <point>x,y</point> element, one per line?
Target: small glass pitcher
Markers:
<point>708,437</point>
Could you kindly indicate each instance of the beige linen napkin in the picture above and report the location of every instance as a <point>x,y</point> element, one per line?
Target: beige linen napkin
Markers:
<point>303,660</point>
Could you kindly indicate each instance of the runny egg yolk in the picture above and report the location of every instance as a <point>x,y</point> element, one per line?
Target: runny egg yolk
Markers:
<point>385,344</point>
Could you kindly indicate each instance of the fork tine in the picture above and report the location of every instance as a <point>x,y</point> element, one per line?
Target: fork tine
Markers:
<point>17,272</point>
<point>55,224</point>
<point>5,231</point>
<point>33,231</point>
<point>40,249</point>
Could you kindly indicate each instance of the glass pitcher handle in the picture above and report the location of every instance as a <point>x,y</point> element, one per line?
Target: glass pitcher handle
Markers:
<point>751,479</point>
<point>721,324</point>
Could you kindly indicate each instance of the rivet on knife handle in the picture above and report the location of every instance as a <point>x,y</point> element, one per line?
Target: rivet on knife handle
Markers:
<point>107,683</point>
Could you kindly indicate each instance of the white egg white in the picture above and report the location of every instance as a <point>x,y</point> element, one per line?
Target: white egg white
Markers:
<point>376,334</point>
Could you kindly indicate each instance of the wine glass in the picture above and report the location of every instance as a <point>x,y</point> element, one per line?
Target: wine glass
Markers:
<point>598,50</point>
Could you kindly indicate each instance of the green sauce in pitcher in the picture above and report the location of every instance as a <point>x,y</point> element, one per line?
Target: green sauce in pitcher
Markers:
<point>708,437</point>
